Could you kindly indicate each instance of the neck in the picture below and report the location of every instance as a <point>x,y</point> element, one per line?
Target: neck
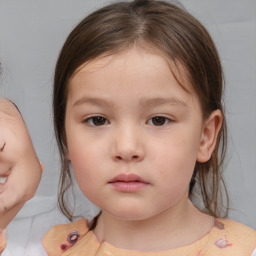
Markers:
<point>167,230</point>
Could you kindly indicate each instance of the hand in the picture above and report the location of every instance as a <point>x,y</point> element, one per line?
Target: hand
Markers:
<point>20,169</point>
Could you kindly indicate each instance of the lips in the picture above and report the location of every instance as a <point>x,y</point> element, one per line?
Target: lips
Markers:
<point>127,178</point>
<point>128,183</point>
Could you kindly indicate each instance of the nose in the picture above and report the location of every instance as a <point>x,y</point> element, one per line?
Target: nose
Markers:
<point>128,145</point>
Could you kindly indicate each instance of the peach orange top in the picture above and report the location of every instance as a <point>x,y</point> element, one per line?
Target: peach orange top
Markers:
<point>227,238</point>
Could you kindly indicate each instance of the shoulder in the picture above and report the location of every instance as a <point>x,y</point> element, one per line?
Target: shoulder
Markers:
<point>61,237</point>
<point>234,238</point>
<point>237,229</point>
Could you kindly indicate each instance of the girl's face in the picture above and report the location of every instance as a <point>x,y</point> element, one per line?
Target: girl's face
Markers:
<point>133,135</point>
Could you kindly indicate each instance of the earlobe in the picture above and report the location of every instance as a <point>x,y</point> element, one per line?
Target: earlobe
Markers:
<point>209,136</point>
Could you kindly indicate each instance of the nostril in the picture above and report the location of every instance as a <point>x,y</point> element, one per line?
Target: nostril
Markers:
<point>134,157</point>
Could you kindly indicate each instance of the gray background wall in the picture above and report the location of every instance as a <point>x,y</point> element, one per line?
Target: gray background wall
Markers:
<point>32,33</point>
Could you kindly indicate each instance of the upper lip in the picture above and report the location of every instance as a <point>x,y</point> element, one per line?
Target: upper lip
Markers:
<point>127,178</point>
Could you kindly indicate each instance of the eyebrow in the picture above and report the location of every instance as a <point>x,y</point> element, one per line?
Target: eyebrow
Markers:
<point>144,102</point>
<point>154,102</point>
<point>93,101</point>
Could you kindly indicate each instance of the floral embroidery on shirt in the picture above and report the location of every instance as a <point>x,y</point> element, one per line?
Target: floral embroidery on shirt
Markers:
<point>71,239</point>
<point>63,247</point>
<point>218,224</point>
<point>222,243</point>
<point>199,253</point>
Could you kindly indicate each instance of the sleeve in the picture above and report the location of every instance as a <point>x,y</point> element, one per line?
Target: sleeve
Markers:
<point>3,241</point>
<point>60,238</point>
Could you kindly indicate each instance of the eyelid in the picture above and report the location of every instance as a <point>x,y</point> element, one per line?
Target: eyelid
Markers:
<point>90,118</point>
<point>168,119</point>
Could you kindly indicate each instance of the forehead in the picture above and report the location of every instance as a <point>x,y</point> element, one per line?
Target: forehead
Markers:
<point>178,70</point>
<point>135,74</point>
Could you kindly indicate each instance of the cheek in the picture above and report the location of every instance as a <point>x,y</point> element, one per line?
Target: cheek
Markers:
<point>84,173</point>
<point>180,155</point>
<point>82,160</point>
<point>174,163</point>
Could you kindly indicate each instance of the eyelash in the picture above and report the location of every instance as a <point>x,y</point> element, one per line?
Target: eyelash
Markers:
<point>103,121</point>
<point>91,120</point>
<point>163,120</point>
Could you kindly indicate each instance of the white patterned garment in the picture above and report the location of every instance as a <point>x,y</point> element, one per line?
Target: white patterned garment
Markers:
<point>25,232</point>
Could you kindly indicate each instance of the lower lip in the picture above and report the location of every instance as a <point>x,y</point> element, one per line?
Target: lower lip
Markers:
<point>128,187</point>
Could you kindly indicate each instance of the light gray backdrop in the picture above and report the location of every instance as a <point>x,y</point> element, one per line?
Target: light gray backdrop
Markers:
<point>31,35</point>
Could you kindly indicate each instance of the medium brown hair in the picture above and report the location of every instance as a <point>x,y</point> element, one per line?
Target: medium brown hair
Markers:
<point>185,43</point>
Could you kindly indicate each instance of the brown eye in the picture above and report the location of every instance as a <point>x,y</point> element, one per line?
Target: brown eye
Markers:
<point>159,121</point>
<point>97,121</point>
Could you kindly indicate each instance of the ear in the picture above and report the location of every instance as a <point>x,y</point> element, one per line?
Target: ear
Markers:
<point>210,131</point>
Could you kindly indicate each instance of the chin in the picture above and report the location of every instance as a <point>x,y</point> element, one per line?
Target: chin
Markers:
<point>130,215</point>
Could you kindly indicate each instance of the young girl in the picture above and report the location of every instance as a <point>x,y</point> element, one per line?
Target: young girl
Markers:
<point>139,121</point>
